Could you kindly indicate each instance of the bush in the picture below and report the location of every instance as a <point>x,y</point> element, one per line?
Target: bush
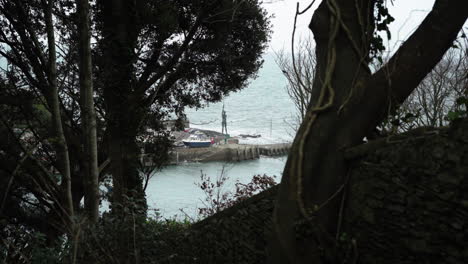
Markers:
<point>218,199</point>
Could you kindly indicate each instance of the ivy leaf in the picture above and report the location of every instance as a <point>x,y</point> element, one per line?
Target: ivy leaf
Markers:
<point>452,115</point>
<point>379,58</point>
<point>462,100</point>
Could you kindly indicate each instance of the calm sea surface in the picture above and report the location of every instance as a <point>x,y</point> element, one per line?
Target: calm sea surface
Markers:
<point>264,108</point>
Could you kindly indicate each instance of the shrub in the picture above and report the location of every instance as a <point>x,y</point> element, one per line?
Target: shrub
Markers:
<point>217,199</point>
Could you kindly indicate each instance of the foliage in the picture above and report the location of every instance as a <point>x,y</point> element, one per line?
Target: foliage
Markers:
<point>401,120</point>
<point>148,237</point>
<point>200,50</point>
<point>461,109</point>
<point>382,18</point>
<point>163,238</point>
<point>217,198</point>
<point>22,245</point>
<point>98,244</point>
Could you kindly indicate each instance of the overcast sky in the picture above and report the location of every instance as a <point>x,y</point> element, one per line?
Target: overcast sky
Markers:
<point>408,15</point>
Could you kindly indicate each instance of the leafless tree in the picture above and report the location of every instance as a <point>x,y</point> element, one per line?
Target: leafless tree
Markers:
<point>428,105</point>
<point>299,69</point>
<point>437,94</point>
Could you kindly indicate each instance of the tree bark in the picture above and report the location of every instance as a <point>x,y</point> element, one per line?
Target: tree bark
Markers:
<point>120,29</point>
<point>347,103</point>
<point>91,175</point>
<point>124,112</point>
<point>54,104</point>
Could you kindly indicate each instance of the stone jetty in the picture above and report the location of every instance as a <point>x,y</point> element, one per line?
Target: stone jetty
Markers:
<point>225,148</point>
<point>223,152</point>
<point>228,152</point>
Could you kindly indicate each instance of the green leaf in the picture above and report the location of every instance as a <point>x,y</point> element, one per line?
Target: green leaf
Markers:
<point>453,115</point>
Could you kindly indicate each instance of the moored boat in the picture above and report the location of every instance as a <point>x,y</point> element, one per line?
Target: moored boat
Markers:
<point>196,141</point>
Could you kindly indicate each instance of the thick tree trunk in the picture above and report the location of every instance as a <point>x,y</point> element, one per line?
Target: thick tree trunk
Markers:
<point>347,102</point>
<point>123,113</point>
<point>124,153</point>
<point>91,177</point>
<point>316,168</point>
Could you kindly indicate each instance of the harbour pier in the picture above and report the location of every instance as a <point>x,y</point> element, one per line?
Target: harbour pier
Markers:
<point>223,152</point>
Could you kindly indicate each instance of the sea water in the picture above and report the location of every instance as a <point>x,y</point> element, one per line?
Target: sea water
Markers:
<point>262,108</point>
<point>173,192</point>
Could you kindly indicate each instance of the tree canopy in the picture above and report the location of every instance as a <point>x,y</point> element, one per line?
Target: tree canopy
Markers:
<point>149,58</point>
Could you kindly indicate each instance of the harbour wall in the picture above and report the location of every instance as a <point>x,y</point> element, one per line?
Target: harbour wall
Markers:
<point>226,152</point>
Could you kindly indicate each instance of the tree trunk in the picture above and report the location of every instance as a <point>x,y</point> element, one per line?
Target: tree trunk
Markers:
<point>91,175</point>
<point>54,104</point>
<point>347,103</point>
<point>123,113</point>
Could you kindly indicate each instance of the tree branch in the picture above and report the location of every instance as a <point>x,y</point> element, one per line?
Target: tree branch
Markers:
<point>146,84</point>
<point>419,54</point>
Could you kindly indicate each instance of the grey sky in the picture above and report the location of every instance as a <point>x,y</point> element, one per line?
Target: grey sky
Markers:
<point>408,15</point>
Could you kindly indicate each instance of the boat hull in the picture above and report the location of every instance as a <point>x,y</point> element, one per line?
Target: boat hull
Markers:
<point>194,144</point>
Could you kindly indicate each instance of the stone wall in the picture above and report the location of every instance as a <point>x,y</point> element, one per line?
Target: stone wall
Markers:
<point>409,201</point>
